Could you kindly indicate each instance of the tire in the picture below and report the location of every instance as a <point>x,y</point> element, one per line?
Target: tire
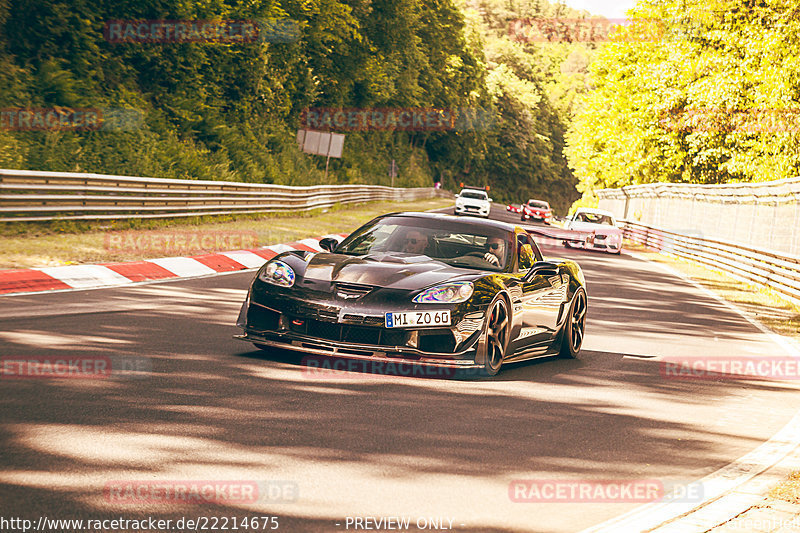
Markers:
<point>575,326</point>
<point>497,331</point>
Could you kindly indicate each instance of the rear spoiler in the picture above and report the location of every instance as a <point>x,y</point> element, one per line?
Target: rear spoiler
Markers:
<point>559,234</point>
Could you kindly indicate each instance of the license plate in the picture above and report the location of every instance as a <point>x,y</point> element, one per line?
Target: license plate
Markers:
<point>408,319</point>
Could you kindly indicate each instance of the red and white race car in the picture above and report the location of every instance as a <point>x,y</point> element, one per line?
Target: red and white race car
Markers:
<point>593,229</point>
<point>513,208</point>
<point>600,227</point>
<point>537,210</point>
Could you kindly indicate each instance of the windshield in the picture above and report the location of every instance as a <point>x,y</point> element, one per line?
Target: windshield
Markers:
<point>538,204</point>
<point>474,195</point>
<point>594,218</point>
<point>459,244</point>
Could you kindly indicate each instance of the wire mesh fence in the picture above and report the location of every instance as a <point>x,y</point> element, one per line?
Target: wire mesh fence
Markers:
<point>764,215</point>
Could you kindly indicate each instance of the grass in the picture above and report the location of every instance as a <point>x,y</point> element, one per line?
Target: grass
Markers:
<point>42,245</point>
<point>789,490</point>
<point>763,304</point>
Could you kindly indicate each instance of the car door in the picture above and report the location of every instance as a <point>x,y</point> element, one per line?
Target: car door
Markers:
<point>541,294</point>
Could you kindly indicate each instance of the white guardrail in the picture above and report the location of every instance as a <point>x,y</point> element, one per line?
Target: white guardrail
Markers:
<point>750,230</point>
<point>779,271</point>
<point>31,196</point>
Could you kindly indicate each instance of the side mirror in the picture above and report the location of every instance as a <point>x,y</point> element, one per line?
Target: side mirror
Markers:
<point>543,268</point>
<point>328,244</point>
<point>491,200</point>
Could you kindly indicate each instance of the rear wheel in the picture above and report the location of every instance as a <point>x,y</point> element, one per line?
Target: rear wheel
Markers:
<point>498,326</point>
<point>572,338</point>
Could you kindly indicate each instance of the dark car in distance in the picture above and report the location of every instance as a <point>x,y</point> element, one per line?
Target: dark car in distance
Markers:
<point>423,289</point>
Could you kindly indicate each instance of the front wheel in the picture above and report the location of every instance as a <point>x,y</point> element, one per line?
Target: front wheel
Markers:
<point>572,337</point>
<point>497,329</point>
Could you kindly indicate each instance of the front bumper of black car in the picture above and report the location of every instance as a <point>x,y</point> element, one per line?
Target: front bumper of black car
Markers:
<point>355,336</point>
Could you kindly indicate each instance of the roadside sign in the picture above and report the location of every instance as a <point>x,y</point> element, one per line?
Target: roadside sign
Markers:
<point>337,145</point>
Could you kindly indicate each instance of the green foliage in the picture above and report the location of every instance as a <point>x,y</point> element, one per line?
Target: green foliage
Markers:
<point>693,102</point>
<point>521,154</point>
<point>229,111</point>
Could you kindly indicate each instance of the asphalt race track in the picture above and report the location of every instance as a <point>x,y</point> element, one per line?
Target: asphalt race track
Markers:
<point>204,406</point>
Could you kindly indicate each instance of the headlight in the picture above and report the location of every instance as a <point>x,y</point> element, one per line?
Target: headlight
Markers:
<point>277,273</point>
<point>447,293</point>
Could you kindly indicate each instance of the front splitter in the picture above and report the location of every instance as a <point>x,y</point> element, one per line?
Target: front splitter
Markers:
<point>350,352</point>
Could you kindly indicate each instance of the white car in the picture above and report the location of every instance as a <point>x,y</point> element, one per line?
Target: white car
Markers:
<point>601,226</point>
<point>473,202</point>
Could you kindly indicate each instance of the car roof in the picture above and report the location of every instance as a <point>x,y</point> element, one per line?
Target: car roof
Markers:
<point>475,222</point>
<point>595,211</point>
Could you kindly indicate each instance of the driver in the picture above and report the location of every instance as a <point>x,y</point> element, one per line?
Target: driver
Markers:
<point>496,247</point>
<point>415,242</point>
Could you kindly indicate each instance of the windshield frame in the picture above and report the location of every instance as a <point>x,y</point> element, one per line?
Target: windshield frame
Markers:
<point>473,236</point>
<point>538,204</point>
<point>604,219</point>
<point>474,195</point>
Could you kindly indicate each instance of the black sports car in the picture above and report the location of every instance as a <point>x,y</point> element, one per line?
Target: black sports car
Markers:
<point>421,288</point>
